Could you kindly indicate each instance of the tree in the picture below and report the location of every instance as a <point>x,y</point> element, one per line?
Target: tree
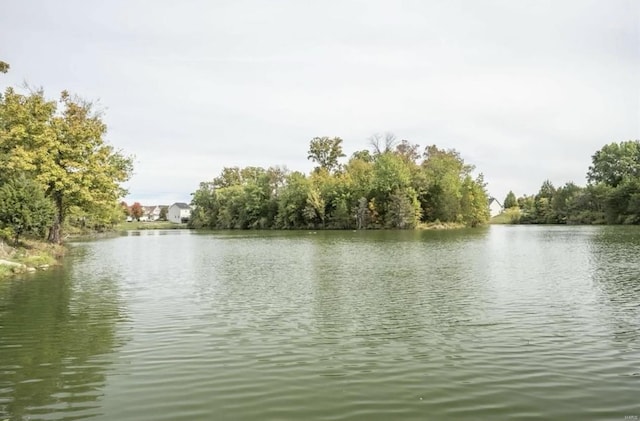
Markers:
<point>474,201</point>
<point>326,152</point>
<point>4,67</point>
<point>205,207</point>
<point>382,143</point>
<point>403,210</point>
<point>510,201</point>
<point>622,205</point>
<point>137,211</point>
<point>126,210</point>
<point>64,152</point>
<point>24,207</point>
<point>563,203</point>
<point>163,213</point>
<point>363,155</point>
<point>314,210</point>
<point>408,151</point>
<point>292,201</point>
<point>443,171</point>
<point>385,189</point>
<point>230,176</point>
<point>615,162</point>
<point>363,215</point>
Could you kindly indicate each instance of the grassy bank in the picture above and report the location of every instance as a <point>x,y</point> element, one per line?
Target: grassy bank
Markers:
<point>156,225</point>
<point>501,219</point>
<point>437,225</point>
<point>28,256</point>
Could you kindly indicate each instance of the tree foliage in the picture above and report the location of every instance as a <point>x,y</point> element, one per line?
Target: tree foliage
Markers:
<point>24,207</point>
<point>615,162</point>
<point>389,188</point>
<point>612,195</point>
<point>63,151</point>
<point>136,211</point>
<point>510,200</point>
<point>326,152</point>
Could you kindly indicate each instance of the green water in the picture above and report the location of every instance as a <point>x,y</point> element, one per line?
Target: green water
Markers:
<point>489,324</point>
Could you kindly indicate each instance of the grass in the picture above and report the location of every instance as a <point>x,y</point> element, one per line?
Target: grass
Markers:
<point>155,225</point>
<point>31,254</point>
<point>437,225</point>
<point>501,218</point>
<point>507,216</point>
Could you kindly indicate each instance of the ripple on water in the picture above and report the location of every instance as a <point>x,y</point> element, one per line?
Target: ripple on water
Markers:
<point>508,324</point>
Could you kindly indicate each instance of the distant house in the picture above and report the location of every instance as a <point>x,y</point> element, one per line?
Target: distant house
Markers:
<point>495,208</point>
<point>150,213</point>
<point>179,213</point>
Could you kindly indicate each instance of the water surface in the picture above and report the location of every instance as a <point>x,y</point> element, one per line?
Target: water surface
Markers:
<point>497,323</point>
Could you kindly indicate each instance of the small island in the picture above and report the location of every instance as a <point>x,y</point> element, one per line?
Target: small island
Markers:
<point>395,185</point>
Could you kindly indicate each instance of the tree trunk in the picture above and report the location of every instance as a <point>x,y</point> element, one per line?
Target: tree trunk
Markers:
<point>55,232</point>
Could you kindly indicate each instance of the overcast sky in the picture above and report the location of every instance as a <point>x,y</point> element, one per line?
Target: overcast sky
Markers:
<point>524,90</point>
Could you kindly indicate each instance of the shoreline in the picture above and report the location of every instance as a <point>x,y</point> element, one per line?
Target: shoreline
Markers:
<point>34,255</point>
<point>29,257</point>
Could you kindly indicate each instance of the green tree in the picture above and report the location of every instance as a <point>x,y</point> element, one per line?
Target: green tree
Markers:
<point>390,173</point>
<point>4,67</point>
<point>163,213</point>
<point>292,200</point>
<point>230,176</point>
<point>314,210</point>
<point>326,152</point>
<point>126,210</point>
<point>474,202</point>
<point>205,207</point>
<point>443,172</point>
<point>403,210</point>
<point>615,162</point>
<point>510,200</point>
<point>544,213</point>
<point>564,202</point>
<point>527,205</point>
<point>64,152</point>
<point>359,176</point>
<point>623,202</point>
<point>24,207</point>
<point>363,155</point>
<point>388,188</point>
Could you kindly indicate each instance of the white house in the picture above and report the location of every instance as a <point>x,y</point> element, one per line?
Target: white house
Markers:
<point>151,213</point>
<point>495,208</point>
<point>179,213</point>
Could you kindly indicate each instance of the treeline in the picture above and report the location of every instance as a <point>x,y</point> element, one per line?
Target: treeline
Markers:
<point>56,168</point>
<point>612,195</point>
<point>393,185</point>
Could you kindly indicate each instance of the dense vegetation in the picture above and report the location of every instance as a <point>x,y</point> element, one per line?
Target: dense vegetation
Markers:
<point>612,195</point>
<point>392,186</point>
<point>56,166</point>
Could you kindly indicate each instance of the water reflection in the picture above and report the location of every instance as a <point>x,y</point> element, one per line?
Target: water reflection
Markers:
<point>615,255</point>
<point>503,323</point>
<point>414,295</point>
<point>56,333</point>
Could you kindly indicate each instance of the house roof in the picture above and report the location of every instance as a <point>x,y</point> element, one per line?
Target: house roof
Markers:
<point>181,205</point>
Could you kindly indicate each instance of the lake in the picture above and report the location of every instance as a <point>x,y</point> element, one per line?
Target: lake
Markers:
<point>504,322</point>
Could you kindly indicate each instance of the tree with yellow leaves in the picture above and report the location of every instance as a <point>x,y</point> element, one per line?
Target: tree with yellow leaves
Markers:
<point>63,151</point>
